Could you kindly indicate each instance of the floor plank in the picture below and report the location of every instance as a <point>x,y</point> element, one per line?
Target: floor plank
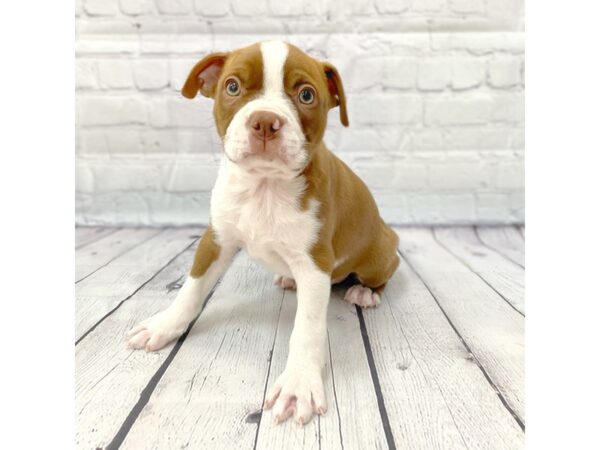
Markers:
<point>342,426</point>
<point>109,377</point>
<point>101,252</point>
<point>207,397</point>
<point>101,292</point>
<point>505,240</point>
<point>87,235</point>
<point>492,329</point>
<point>503,275</point>
<point>436,396</point>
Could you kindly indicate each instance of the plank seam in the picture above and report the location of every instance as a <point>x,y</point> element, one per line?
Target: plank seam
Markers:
<point>421,368</point>
<point>93,327</point>
<point>98,238</point>
<point>119,255</point>
<point>337,408</point>
<point>496,250</point>
<point>147,392</point>
<point>268,372</point>
<point>475,359</point>
<point>468,266</point>
<point>387,429</point>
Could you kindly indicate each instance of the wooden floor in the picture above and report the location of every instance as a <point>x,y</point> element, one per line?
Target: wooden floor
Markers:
<point>439,364</point>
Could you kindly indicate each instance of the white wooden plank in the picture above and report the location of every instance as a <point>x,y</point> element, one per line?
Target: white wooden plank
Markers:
<point>505,240</point>
<point>99,253</point>
<point>109,377</point>
<point>98,294</point>
<point>506,277</point>
<point>344,421</point>
<point>87,235</point>
<point>435,395</point>
<point>217,379</point>
<point>288,434</point>
<point>490,327</point>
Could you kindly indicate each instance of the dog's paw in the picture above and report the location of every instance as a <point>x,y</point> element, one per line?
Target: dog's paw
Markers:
<point>157,331</point>
<point>362,296</point>
<point>297,392</point>
<point>284,282</point>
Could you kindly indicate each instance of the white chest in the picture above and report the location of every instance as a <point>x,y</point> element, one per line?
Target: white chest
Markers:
<point>264,216</point>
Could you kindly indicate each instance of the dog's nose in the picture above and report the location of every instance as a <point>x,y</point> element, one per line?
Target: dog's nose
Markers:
<point>265,125</point>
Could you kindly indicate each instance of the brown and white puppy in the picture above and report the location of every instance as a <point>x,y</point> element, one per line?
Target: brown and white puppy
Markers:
<point>285,198</point>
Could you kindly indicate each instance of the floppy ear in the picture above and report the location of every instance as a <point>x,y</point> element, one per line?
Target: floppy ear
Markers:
<point>204,76</point>
<point>336,89</point>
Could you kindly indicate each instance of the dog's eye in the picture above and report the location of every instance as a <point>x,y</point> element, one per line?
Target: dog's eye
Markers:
<point>232,86</point>
<point>306,95</point>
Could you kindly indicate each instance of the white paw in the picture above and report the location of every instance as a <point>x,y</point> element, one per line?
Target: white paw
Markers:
<point>297,392</point>
<point>362,296</point>
<point>157,331</point>
<point>284,282</point>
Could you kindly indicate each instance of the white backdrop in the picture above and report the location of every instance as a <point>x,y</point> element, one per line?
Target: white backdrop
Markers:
<point>435,91</point>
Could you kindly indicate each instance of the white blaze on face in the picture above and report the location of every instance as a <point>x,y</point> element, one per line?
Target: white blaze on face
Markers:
<point>273,99</point>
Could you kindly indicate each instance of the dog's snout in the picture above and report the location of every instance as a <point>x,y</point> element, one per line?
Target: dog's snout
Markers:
<point>265,125</point>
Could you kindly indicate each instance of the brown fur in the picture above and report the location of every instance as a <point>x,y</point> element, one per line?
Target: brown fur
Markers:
<point>208,250</point>
<point>351,229</point>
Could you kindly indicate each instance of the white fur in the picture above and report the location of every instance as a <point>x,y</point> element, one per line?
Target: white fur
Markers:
<point>272,99</point>
<point>166,326</point>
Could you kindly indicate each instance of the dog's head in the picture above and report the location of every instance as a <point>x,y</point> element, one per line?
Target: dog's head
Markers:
<point>271,104</point>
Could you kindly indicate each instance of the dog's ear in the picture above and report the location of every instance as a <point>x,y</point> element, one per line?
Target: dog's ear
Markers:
<point>204,76</point>
<point>336,89</point>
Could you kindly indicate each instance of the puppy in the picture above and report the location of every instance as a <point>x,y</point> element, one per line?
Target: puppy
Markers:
<point>285,198</point>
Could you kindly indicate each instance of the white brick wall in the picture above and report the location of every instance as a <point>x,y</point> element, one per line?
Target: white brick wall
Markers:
<point>435,87</point>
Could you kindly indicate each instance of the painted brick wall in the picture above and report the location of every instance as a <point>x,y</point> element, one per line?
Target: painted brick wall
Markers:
<point>435,91</point>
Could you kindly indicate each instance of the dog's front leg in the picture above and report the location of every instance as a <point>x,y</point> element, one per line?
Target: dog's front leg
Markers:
<point>210,261</point>
<point>299,389</point>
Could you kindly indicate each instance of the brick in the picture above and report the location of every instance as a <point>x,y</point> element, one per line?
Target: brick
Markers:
<point>85,74</point>
<point>84,179</point>
<point>467,73</point>
<point>101,7</point>
<point>385,109</point>
<point>365,74</point>
<point>123,141</point>
<point>424,208</point>
<point>508,108</point>
<point>135,7</point>
<point>392,6</point>
<point>249,8</point>
<point>462,111</point>
<point>399,73</point>
<point>179,69</point>
<point>285,9</point>
<point>190,177</point>
<point>109,111</point>
<point>115,74</point>
<point>211,8</point>
<point>428,6</point>
<point>151,74</point>
<point>510,176</point>
<point>492,207</point>
<point>433,75</point>
<point>467,6</point>
<point>458,176</point>
<point>186,113</point>
<point>175,7</point>
<point>457,208</point>
<point>113,178</point>
<point>428,139</point>
<point>158,112</point>
<point>93,142</point>
<point>504,72</point>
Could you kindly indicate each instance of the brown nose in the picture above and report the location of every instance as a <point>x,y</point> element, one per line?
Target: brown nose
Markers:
<point>265,125</point>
